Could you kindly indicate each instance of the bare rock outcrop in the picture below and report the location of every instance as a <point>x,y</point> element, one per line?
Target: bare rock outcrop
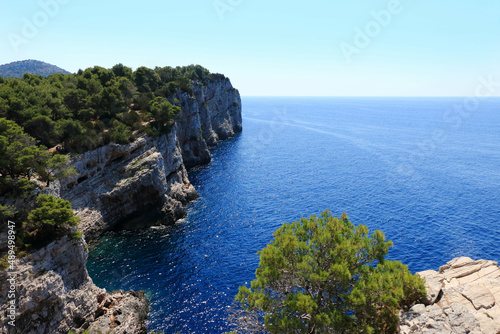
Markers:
<point>54,294</point>
<point>463,297</point>
<point>120,312</point>
<point>122,182</point>
<point>211,114</point>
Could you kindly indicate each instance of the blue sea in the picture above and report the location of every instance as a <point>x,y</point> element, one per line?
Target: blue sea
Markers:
<point>425,171</point>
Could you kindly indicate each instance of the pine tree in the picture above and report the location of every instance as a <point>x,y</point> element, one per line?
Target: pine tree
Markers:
<point>325,275</point>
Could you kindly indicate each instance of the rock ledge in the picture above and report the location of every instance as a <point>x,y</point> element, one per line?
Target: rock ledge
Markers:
<point>463,297</point>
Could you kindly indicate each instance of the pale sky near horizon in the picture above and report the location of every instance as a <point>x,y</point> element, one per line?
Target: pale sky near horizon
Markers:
<point>274,48</point>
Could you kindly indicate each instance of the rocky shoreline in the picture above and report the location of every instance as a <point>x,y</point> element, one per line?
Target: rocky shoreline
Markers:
<point>57,295</point>
<point>117,184</point>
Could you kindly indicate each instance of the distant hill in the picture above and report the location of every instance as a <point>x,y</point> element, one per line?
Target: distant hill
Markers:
<point>18,68</point>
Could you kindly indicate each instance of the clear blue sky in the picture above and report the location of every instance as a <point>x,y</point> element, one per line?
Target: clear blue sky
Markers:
<point>273,47</point>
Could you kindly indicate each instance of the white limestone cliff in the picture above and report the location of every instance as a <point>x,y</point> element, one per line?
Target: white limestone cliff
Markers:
<point>121,183</point>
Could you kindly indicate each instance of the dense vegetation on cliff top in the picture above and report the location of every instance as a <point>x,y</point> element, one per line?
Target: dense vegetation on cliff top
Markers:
<point>24,166</point>
<point>77,112</point>
<point>96,106</point>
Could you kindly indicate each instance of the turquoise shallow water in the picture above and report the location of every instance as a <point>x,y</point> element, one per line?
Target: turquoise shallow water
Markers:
<point>428,176</point>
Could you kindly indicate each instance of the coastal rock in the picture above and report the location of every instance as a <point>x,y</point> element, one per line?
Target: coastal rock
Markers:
<point>122,182</point>
<point>212,113</point>
<point>147,179</point>
<point>54,293</point>
<point>463,297</point>
<point>121,312</point>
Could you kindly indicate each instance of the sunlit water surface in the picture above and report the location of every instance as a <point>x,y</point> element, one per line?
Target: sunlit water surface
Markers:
<point>425,175</point>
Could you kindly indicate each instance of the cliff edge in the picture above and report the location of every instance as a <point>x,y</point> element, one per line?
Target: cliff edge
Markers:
<point>463,297</point>
<point>118,185</point>
<point>147,178</point>
<point>55,295</point>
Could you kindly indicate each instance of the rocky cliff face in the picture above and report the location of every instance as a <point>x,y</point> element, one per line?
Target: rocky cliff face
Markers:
<point>463,297</point>
<point>213,113</point>
<point>121,183</point>
<point>55,294</point>
<point>118,184</point>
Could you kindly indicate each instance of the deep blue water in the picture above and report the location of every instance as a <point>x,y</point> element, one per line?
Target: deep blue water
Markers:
<point>426,174</point>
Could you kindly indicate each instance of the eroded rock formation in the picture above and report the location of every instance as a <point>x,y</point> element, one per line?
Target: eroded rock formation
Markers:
<point>463,297</point>
<point>118,183</point>
<point>55,294</point>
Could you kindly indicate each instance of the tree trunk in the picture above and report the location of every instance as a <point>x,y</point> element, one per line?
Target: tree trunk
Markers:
<point>312,329</point>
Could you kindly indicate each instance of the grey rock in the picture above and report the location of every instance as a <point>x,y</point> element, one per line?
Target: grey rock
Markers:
<point>119,183</point>
<point>433,285</point>
<point>213,113</point>
<point>55,294</point>
<point>417,309</point>
<point>121,312</point>
<point>53,288</point>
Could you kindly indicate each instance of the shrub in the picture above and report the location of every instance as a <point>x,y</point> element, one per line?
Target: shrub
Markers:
<point>76,234</point>
<point>324,275</point>
<point>51,219</point>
